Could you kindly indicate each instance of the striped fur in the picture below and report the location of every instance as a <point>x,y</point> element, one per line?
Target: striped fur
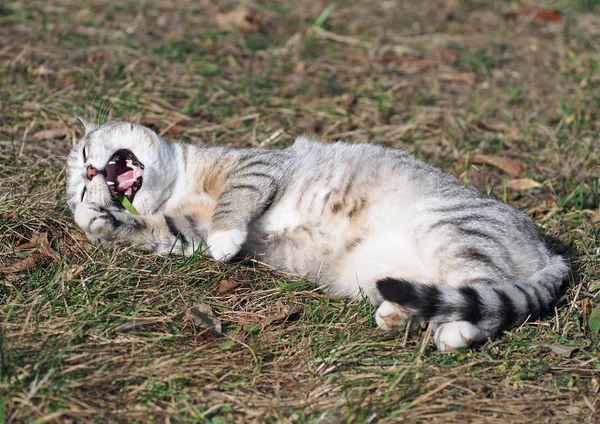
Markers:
<point>366,220</point>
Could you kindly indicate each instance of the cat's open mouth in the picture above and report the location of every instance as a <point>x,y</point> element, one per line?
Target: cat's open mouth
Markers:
<point>124,174</point>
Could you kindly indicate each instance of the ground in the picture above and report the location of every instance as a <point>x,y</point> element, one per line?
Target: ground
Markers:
<point>507,102</point>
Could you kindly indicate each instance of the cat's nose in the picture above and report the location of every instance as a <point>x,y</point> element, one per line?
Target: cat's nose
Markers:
<point>91,172</point>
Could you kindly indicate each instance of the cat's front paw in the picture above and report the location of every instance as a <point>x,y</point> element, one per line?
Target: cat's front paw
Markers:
<point>97,221</point>
<point>224,245</point>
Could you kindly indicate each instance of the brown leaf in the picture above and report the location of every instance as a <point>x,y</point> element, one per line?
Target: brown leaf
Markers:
<point>227,285</point>
<point>587,306</point>
<point>65,80</point>
<point>37,258</point>
<point>512,167</point>
<point>520,184</point>
<point>242,19</point>
<point>57,133</point>
<point>408,63</point>
<point>281,311</point>
<point>11,216</point>
<point>50,254</point>
<point>539,15</point>
<point>201,315</point>
<point>171,130</point>
<point>492,126</point>
<point>347,101</point>
<point>73,272</point>
<point>36,240</point>
<point>464,77</point>
<point>357,58</point>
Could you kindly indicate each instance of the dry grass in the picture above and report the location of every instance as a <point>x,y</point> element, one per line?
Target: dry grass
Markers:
<point>91,335</point>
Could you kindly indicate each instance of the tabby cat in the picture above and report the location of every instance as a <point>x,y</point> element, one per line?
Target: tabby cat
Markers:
<point>366,220</point>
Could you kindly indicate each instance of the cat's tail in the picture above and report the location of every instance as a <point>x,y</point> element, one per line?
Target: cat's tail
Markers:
<point>491,308</point>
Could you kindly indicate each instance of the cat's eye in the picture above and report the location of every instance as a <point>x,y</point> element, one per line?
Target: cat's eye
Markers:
<point>84,154</point>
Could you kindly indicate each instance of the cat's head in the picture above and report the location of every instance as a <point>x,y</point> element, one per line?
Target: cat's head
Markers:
<point>120,158</point>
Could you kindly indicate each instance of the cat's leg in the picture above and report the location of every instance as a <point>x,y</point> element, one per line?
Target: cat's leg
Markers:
<point>103,221</point>
<point>249,192</point>
<point>114,227</point>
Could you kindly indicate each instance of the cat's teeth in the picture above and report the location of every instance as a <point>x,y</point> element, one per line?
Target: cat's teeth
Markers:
<point>111,162</point>
<point>110,183</point>
<point>128,192</point>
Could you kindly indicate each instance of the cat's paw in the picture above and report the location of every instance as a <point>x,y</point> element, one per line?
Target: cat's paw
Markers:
<point>456,335</point>
<point>97,221</point>
<point>224,245</point>
<point>389,316</point>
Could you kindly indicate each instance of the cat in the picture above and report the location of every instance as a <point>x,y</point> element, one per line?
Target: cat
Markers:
<point>369,221</point>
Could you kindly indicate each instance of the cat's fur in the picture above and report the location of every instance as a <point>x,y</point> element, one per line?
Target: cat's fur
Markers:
<point>364,219</point>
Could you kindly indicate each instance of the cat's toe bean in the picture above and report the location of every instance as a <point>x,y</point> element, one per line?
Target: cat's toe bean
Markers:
<point>455,335</point>
<point>389,316</point>
<point>224,245</point>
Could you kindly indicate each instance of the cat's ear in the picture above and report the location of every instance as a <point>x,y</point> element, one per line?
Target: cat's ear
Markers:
<point>88,127</point>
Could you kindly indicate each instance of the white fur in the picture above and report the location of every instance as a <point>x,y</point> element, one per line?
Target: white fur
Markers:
<point>224,245</point>
<point>389,316</point>
<point>456,335</point>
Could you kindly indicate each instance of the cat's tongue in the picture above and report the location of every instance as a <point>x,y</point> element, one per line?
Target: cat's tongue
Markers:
<point>127,179</point>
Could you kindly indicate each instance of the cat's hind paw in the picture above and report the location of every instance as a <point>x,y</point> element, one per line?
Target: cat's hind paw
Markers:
<point>224,245</point>
<point>456,335</point>
<point>389,316</point>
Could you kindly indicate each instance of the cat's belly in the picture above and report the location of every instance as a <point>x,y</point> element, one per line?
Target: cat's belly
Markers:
<point>351,251</point>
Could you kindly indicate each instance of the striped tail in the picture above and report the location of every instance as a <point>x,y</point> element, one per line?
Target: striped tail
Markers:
<point>491,308</point>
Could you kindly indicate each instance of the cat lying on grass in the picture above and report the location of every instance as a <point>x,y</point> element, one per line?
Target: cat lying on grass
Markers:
<point>366,220</point>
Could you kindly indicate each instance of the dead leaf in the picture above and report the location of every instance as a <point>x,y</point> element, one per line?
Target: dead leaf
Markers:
<point>94,57</point>
<point>171,130</point>
<point>41,71</point>
<point>587,306</point>
<point>347,101</point>
<point>521,184</point>
<point>449,56</point>
<point>201,315</point>
<point>464,77</point>
<point>357,58</point>
<point>227,285</point>
<point>408,63</point>
<point>65,80</point>
<point>512,167</point>
<point>242,19</point>
<point>57,133</point>
<point>294,386</point>
<point>281,311</point>
<point>492,126</point>
<point>562,350</point>
<point>40,257</point>
<point>138,323</point>
<point>11,216</point>
<point>537,14</point>
<point>36,240</point>
<point>73,272</point>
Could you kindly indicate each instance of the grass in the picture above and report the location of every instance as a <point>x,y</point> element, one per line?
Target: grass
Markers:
<point>95,335</point>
